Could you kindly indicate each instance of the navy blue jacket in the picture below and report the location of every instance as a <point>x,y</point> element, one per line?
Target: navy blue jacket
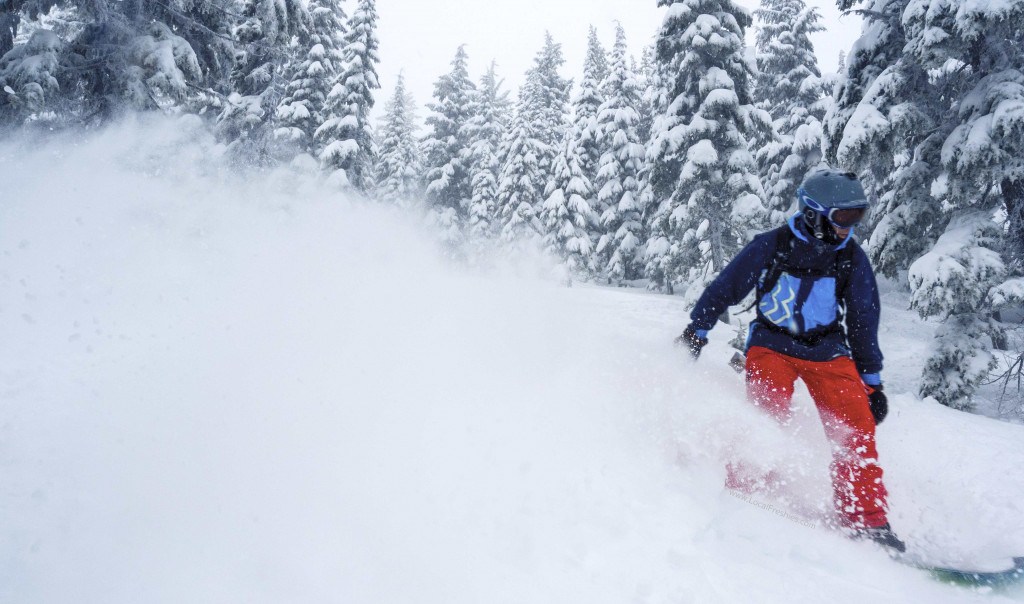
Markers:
<point>798,304</point>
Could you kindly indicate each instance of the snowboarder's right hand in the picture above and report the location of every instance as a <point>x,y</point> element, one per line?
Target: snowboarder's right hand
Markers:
<point>692,341</point>
<point>879,403</point>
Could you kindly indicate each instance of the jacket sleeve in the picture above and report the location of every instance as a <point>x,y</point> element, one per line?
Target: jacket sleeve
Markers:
<point>733,283</point>
<point>863,310</point>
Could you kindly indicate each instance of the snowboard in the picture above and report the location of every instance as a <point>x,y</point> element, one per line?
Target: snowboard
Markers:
<point>1000,573</point>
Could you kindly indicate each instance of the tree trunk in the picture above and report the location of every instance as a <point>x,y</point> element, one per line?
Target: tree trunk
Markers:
<point>1013,197</point>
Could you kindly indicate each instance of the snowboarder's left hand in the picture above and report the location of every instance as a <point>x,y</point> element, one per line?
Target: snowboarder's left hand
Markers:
<point>879,403</point>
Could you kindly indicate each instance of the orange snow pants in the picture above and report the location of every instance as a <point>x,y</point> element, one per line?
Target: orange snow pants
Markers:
<point>842,402</point>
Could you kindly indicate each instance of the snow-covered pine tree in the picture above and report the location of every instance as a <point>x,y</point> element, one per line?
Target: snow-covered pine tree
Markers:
<point>262,40</point>
<point>175,56</point>
<point>485,130</point>
<point>569,199</point>
<point>347,149</point>
<point>522,180</point>
<point>649,79</point>
<point>663,163</point>
<point>618,187</point>
<point>567,214</point>
<point>703,176</point>
<point>653,103</point>
<point>447,148</point>
<point>960,275</point>
<point>907,219</point>
<point>28,77</point>
<point>400,160</point>
<point>96,60</point>
<point>586,104</point>
<point>932,109</point>
<point>311,75</point>
<point>789,87</point>
<point>552,97</point>
<point>529,150</point>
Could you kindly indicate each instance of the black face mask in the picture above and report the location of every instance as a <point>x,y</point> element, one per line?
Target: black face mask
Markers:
<point>820,228</point>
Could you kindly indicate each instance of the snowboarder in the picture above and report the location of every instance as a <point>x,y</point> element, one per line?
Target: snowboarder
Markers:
<point>817,320</point>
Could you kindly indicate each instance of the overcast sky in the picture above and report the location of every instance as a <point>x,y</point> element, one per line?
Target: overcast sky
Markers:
<point>419,38</point>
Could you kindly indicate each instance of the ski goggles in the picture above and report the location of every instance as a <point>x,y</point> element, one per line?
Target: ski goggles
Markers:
<point>846,217</point>
<point>843,218</point>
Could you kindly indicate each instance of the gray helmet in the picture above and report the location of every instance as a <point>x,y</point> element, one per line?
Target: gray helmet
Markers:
<point>833,196</point>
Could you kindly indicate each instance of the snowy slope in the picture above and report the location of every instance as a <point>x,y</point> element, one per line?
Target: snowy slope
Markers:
<point>225,390</point>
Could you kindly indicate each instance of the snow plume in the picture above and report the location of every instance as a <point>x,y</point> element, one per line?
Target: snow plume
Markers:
<point>244,389</point>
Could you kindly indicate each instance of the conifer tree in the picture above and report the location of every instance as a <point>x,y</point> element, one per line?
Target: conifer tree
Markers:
<point>586,104</point>
<point>540,123</point>
<point>447,146</point>
<point>400,163</point>
<point>567,215</point>
<point>652,105</point>
<point>347,150</point>
<point>263,36</point>
<point>649,81</point>
<point>962,275</point>
<point>312,74</point>
<point>899,181</point>
<point>485,129</point>
<point>790,88</point>
<point>522,179</point>
<point>618,184</point>
<point>28,76</point>
<point>931,108</point>
<point>92,61</point>
<point>703,175</point>
<point>552,97</point>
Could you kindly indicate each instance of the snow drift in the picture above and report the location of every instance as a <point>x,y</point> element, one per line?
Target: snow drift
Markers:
<point>224,388</point>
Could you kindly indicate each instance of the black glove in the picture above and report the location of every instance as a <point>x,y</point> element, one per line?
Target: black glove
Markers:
<point>691,341</point>
<point>879,403</point>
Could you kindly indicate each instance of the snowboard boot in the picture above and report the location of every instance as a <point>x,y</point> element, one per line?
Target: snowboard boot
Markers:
<point>883,536</point>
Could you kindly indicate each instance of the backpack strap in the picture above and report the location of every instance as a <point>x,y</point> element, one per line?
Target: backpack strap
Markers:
<point>771,273</point>
<point>783,247</point>
<point>844,269</point>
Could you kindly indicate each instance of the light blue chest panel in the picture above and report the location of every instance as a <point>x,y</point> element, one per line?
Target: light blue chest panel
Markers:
<point>800,305</point>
